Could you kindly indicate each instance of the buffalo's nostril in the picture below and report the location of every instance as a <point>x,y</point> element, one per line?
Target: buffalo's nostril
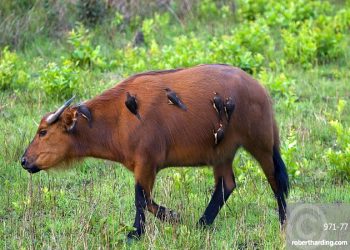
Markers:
<point>23,161</point>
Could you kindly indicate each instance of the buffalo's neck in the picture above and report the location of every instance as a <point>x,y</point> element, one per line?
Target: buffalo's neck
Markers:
<point>99,140</point>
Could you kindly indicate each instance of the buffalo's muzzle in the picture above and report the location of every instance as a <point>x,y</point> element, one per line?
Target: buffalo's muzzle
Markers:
<point>31,168</point>
<point>23,161</point>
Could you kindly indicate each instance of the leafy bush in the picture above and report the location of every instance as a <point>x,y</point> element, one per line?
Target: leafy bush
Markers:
<point>311,41</point>
<point>208,8</point>
<point>251,9</point>
<point>59,80</point>
<point>300,47</point>
<point>187,51</point>
<point>339,156</point>
<point>84,54</point>
<point>91,11</point>
<point>152,27</point>
<point>289,154</point>
<point>329,41</point>
<point>118,19</point>
<point>282,13</point>
<point>342,20</point>
<point>254,36</point>
<point>12,73</point>
<point>245,47</point>
<point>280,86</point>
<point>302,10</point>
<point>148,29</point>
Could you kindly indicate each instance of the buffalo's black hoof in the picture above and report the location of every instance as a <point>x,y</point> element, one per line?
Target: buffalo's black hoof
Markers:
<point>202,223</point>
<point>174,217</point>
<point>169,216</point>
<point>134,235</point>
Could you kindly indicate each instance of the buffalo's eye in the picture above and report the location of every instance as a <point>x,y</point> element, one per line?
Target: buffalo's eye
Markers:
<point>42,132</point>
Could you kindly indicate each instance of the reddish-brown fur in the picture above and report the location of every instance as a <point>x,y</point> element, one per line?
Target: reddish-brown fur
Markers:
<point>167,135</point>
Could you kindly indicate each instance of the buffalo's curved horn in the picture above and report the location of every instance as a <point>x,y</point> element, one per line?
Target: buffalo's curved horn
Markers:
<point>53,117</point>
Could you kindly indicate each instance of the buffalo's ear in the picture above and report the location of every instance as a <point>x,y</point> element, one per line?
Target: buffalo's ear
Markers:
<point>71,115</point>
<point>69,119</point>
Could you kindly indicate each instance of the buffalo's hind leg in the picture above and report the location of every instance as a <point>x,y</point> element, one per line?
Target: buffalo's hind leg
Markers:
<point>276,174</point>
<point>224,185</point>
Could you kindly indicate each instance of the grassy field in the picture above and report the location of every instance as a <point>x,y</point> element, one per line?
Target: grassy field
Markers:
<point>302,57</point>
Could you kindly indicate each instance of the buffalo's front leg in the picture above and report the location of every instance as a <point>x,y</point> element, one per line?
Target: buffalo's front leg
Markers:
<point>140,205</point>
<point>225,184</point>
<point>143,202</point>
<point>145,177</point>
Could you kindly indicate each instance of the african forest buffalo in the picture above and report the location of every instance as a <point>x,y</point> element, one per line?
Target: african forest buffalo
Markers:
<point>133,123</point>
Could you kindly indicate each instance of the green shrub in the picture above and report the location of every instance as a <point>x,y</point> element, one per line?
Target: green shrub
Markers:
<point>254,36</point>
<point>329,41</point>
<point>118,19</point>
<point>148,28</point>
<point>300,47</point>
<point>248,61</point>
<point>152,27</point>
<point>84,54</point>
<point>282,13</point>
<point>301,10</point>
<point>251,9</point>
<point>91,11</point>
<point>279,85</point>
<point>342,20</point>
<point>185,51</point>
<point>208,8</point>
<point>339,156</point>
<point>12,71</point>
<point>289,151</point>
<point>59,80</point>
<point>313,41</point>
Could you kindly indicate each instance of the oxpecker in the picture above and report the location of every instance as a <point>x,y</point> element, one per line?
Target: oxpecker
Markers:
<point>229,108</point>
<point>131,104</point>
<point>174,99</point>
<point>218,105</point>
<point>219,135</point>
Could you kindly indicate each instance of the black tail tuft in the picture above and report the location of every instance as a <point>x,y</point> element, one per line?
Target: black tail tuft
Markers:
<point>281,177</point>
<point>281,174</point>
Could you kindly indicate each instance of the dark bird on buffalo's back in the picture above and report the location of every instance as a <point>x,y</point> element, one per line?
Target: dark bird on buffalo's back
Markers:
<point>219,135</point>
<point>229,108</point>
<point>174,99</point>
<point>131,104</point>
<point>218,105</point>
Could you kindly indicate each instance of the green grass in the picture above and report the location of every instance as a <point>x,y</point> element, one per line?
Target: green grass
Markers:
<point>92,205</point>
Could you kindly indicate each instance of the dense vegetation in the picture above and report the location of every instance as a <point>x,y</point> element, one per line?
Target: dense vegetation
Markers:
<point>50,50</point>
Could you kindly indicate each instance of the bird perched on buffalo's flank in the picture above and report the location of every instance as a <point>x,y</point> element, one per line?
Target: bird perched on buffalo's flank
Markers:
<point>174,99</point>
<point>229,108</point>
<point>219,135</point>
<point>218,105</point>
<point>131,104</point>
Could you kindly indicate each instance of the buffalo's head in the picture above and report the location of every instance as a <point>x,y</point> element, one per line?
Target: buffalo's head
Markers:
<point>54,141</point>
